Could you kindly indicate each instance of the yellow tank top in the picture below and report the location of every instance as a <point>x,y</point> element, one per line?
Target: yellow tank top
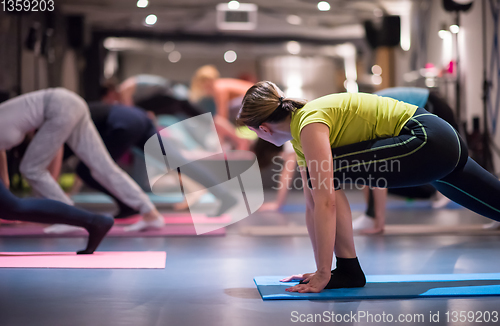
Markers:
<point>352,118</point>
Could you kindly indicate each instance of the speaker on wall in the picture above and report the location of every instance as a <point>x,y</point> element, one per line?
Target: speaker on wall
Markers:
<point>371,33</point>
<point>391,31</point>
<point>76,31</point>
<point>387,34</point>
<point>457,5</point>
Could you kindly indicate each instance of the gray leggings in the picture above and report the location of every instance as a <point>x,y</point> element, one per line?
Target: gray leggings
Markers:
<point>67,120</point>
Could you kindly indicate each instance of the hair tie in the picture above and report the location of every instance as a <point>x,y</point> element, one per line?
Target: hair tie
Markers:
<point>281,99</point>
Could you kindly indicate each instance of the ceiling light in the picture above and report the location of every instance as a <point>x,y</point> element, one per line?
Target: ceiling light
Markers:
<point>377,70</point>
<point>293,47</point>
<point>376,80</point>
<point>151,19</point>
<point>233,5</point>
<point>168,46</point>
<point>323,6</point>
<point>443,33</point>
<point>230,56</point>
<point>142,3</point>
<point>174,56</point>
<point>454,29</point>
<point>294,20</point>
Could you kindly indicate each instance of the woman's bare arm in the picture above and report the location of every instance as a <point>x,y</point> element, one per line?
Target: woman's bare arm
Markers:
<point>226,130</point>
<point>309,213</point>
<point>226,89</point>
<point>286,177</point>
<point>285,182</point>
<point>317,151</point>
<point>127,90</point>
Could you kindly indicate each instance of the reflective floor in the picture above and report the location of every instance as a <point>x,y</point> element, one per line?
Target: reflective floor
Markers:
<point>209,280</point>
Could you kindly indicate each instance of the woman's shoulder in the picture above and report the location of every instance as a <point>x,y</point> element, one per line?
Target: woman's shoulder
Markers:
<point>338,100</point>
<point>327,101</point>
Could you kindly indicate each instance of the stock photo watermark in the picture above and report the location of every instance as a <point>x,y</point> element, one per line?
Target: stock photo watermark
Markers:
<point>369,174</point>
<point>232,177</point>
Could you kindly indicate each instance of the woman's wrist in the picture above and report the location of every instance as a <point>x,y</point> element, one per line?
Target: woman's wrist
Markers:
<point>323,271</point>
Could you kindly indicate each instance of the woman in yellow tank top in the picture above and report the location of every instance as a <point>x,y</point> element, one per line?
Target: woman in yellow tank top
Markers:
<point>348,139</point>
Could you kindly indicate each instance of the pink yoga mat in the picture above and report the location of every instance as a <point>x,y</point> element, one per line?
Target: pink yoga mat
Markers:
<point>171,218</point>
<point>34,230</point>
<point>100,259</point>
<point>181,218</point>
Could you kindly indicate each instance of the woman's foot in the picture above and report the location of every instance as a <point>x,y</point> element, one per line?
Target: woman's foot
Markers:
<point>61,229</point>
<point>348,274</point>
<point>270,206</point>
<point>439,201</point>
<point>182,206</point>
<point>494,225</point>
<point>363,222</point>
<point>97,231</point>
<point>143,225</point>
<point>151,220</point>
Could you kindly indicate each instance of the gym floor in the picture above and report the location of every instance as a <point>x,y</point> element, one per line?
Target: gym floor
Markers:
<point>209,280</point>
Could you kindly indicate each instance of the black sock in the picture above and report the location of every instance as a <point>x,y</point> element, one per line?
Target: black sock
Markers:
<point>348,274</point>
<point>97,231</point>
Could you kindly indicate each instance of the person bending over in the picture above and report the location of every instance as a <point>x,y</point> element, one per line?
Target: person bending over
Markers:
<point>364,139</point>
<point>61,116</point>
<point>226,93</point>
<point>48,211</point>
<point>124,127</point>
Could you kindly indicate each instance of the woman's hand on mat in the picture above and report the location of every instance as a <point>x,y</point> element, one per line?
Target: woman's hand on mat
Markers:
<point>182,206</point>
<point>298,277</point>
<point>316,284</point>
<point>270,206</point>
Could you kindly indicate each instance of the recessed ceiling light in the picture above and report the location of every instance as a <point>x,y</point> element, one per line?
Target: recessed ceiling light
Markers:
<point>142,3</point>
<point>174,56</point>
<point>168,46</point>
<point>151,19</point>
<point>233,5</point>
<point>294,20</point>
<point>230,56</point>
<point>293,47</point>
<point>323,6</point>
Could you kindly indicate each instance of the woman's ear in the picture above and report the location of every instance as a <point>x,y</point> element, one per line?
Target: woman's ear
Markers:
<point>266,128</point>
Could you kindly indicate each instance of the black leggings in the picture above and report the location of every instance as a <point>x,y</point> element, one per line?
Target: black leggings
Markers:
<point>435,105</point>
<point>428,150</point>
<point>166,104</point>
<point>53,212</point>
<point>42,211</point>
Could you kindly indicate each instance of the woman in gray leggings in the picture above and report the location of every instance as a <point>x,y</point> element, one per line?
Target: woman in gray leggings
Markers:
<point>61,116</point>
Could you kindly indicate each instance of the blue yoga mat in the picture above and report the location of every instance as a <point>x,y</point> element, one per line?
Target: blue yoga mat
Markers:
<point>391,287</point>
<point>391,205</point>
<point>98,198</point>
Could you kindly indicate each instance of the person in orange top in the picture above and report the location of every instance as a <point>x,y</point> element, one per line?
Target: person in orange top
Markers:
<point>226,93</point>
